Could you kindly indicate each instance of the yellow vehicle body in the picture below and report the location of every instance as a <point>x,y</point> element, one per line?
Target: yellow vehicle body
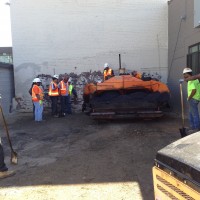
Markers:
<point>168,187</point>
<point>176,173</point>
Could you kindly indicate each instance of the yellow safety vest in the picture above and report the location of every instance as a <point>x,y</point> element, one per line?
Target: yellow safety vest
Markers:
<point>70,89</point>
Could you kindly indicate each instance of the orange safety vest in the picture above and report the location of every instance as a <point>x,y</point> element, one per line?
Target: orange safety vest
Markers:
<point>107,73</point>
<point>34,97</point>
<point>138,75</point>
<point>64,88</point>
<point>53,92</point>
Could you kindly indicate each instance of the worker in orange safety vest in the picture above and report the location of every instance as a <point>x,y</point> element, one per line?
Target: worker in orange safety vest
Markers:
<point>37,98</point>
<point>107,72</point>
<point>137,74</point>
<point>64,96</point>
<point>54,94</point>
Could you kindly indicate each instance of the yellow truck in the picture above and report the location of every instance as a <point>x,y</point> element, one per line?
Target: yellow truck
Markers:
<point>176,173</point>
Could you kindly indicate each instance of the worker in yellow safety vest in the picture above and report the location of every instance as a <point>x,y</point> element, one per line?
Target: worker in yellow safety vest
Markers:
<point>72,89</point>
<point>64,95</point>
<point>73,92</point>
<point>54,94</point>
<point>107,72</point>
<point>37,98</point>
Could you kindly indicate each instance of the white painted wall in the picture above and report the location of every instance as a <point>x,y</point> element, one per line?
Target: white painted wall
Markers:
<point>81,35</point>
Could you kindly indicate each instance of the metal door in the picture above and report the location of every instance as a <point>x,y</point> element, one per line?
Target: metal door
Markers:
<point>6,86</point>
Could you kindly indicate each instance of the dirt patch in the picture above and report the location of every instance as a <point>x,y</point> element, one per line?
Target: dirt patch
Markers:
<point>78,158</point>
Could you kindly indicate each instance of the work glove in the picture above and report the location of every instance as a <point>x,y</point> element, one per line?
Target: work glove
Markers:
<point>40,102</point>
<point>181,81</point>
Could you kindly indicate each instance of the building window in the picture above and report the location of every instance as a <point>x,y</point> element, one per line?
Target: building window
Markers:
<point>6,58</point>
<point>193,58</point>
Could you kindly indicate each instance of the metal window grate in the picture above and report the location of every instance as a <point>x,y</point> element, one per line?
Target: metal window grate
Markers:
<point>174,188</point>
<point>172,197</point>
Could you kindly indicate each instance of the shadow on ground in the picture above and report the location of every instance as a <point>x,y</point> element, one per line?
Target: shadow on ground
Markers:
<point>78,150</point>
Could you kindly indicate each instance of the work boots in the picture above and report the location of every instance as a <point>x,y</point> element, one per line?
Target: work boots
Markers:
<point>6,174</point>
<point>191,131</point>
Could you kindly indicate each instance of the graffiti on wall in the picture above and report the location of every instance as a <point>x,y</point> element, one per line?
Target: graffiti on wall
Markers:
<point>78,81</point>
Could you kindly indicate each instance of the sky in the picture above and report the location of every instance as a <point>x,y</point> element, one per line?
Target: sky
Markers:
<point>5,25</point>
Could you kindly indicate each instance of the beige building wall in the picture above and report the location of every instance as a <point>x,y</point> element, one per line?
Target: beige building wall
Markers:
<point>182,34</point>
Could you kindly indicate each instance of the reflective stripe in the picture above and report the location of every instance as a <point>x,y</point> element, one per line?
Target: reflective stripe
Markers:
<point>64,88</point>
<point>138,75</point>
<point>53,92</point>
<point>107,73</point>
<point>34,97</point>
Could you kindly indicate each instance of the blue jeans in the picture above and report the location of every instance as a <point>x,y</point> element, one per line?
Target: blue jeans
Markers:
<point>38,111</point>
<point>194,114</point>
<point>69,108</point>
<point>66,105</point>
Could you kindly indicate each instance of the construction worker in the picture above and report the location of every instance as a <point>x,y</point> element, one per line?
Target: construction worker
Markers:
<point>107,72</point>
<point>37,98</point>
<point>30,92</point>
<point>72,90</point>
<point>136,74</point>
<point>64,98</point>
<point>54,94</point>
<point>4,173</point>
<point>193,89</point>
<point>194,77</point>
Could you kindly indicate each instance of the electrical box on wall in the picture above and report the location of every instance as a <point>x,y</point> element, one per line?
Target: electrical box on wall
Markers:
<point>196,13</point>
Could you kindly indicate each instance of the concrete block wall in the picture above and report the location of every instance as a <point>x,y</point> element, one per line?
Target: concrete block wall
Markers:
<point>67,36</point>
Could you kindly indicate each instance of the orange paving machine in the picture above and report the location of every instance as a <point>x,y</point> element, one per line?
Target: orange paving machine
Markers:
<point>125,96</point>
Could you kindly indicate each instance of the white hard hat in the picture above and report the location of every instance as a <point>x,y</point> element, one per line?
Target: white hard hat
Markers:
<point>70,79</point>
<point>106,65</point>
<point>187,70</point>
<point>36,80</point>
<point>55,76</point>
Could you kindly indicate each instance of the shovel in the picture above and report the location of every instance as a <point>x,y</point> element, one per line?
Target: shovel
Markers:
<point>183,129</point>
<point>13,158</point>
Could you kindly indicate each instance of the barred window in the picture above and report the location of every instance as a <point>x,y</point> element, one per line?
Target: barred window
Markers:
<point>193,58</point>
<point>6,58</point>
